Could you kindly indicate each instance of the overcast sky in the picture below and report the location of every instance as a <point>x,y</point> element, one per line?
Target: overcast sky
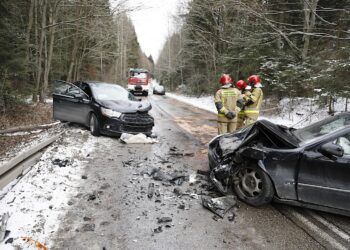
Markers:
<point>151,23</point>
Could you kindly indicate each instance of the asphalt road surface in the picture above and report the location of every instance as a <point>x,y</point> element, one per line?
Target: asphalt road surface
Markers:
<point>112,210</point>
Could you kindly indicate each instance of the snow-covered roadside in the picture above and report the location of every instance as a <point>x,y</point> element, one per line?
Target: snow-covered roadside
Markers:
<point>204,102</point>
<point>304,111</point>
<point>36,137</point>
<point>38,201</point>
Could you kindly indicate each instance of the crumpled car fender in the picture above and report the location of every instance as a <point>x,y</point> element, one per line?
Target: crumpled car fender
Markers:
<point>222,175</point>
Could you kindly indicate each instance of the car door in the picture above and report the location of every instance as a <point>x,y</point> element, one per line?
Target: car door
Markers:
<point>70,103</point>
<point>324,180</point>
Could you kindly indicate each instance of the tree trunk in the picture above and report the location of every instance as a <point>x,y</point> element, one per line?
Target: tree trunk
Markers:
<point>3,97</point>
<point>48,60</point>
<point>330,105</point>
<point>346,104</point>
<point>29,28</point>
<point>36,4</point>
<point>310,7</point>
<point>73,58</point>
<point>71,74</point>
<point>40,52</point>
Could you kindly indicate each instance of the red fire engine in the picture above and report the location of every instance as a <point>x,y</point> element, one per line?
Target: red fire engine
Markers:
<point>138,81</point>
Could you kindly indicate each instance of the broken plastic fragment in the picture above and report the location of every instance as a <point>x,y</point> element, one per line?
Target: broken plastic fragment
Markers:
<point>139,138</point>
<point>219,206</point>
<point>158,229</point>
<point>150,190</point>
<point>3,224</point>
<point>165,220</point>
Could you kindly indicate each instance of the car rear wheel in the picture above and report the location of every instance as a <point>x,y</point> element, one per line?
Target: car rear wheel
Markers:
<point>94,125</point>
<point>253,186</point>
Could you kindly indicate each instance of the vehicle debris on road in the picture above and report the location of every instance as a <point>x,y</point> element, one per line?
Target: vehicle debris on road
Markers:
<point>138,138</point>
<point>150,190</point>
<point>3,224</point>
<point>219,206</point>
<point>61,163</point>
<point>165,220</point>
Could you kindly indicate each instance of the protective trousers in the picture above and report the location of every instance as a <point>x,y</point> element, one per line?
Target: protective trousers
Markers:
<point>226,127</point>
<point>251,118</point>
<point>245,118</point>
<point>240,120</point>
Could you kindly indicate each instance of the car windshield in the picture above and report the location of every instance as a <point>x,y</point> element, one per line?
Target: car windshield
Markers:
<point>140,75</point>
<point>323,127</point>
<point>109,92</point>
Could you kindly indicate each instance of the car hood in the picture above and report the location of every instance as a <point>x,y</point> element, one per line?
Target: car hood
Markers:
<point>126,106</point>
<point>262,133</point>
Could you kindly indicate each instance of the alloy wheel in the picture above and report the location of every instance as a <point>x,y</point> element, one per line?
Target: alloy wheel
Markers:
<point>250,182</point>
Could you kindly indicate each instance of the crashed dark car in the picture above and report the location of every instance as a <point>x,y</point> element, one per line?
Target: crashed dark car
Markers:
<point>308,167</point>
<point>105,108</point>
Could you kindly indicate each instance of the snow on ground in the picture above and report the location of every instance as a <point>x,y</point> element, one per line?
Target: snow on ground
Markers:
<point>37,202</point>
<point>299,113</point>
<point>204,102</point>
<point>23,133</point>
<point>24,146</point>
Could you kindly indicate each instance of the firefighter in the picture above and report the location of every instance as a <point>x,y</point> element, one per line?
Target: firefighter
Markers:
<point>253,100</point>
<point>245,91</point>
<point>226,99</point>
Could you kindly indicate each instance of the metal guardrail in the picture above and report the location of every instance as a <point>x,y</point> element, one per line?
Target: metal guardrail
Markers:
<point>10,170</point>
<point>28,128</point>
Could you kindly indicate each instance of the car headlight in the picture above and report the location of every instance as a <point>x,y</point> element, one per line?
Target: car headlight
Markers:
<point>110,113</point>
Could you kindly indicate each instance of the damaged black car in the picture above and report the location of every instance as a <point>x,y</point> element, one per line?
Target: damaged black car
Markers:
<point>308,167</point>
<point>105,108</point>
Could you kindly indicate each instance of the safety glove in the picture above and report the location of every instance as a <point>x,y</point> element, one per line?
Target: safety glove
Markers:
<point>230,115</point>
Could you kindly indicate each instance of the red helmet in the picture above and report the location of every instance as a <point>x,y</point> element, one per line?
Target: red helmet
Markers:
<point>255,80</point>
<point>225,79</point>
<point>241,85</point>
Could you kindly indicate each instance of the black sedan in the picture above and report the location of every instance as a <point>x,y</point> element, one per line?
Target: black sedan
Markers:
<point>105,108</point>
<point>308,167</point>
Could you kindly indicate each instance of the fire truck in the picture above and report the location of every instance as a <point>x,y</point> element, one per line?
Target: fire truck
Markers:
<point>139,81</point>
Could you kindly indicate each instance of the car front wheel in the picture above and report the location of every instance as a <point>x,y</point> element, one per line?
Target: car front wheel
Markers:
<point>253,186</point>
<point>94,125</point>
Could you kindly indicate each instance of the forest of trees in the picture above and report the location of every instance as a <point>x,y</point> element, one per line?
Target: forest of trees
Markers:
<point>298,47</point>
<point>43,40</point>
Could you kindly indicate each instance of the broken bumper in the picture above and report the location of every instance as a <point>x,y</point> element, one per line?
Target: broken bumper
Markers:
<point>129,123</point>
<point>138,88</point>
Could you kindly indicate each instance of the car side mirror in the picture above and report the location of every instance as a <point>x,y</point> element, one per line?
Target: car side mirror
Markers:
<point>330,150</point>
<point>78,97</point>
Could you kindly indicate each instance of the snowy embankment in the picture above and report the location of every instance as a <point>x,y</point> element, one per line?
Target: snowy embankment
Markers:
<point>296,113</point>
<point>36,203</point>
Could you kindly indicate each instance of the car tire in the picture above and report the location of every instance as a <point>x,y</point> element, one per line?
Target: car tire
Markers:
<point>94,125</point>
<point>253,186</point>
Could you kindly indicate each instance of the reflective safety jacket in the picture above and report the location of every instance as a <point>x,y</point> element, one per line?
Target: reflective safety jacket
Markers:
<point>226,101</point>
<point>253,101</point>
<point>245,94</point>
